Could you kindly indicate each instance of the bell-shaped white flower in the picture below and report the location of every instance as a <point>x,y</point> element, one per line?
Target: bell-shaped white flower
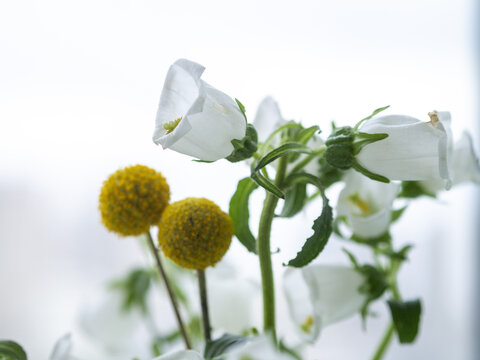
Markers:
<point>366,204</point>
<point>413,150</point>
<point>181,355</point>
<point>319,295</point>
<point>194,118</point>
<point>464,166</point>
<point>268,118</point>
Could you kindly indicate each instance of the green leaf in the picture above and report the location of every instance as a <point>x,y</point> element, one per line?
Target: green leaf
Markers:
<point>413,189</point>
<point>294,200</point>
<point>135,287</point>
<point>322,226</point>
<point>240,214</point>
<point>217,347</point>
<point>368,173</point>
<point>305,135</point>
<point>282,150</point>
<point>375,112</point>
<point>267,184</point>
<point>242,108</point>
<point>381,239</point>
<point>396,214</point>
<point>406,317</point>
<point>11,350</point>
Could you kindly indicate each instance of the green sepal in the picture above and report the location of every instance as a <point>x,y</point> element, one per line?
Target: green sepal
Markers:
<point>295,198</point>
<point>267,184</point>
<point>10,350</point>
<point>374,242</point>
<point>412,190</point>
<point>203,161</point>
<point>242,108</point>
<point>246,147</point>
<point>322,226</point>
<point>368,173</point>
<point>218,347</point>
<point>282,150</point>
<point>375,112</point>
<point>400,255</point>
<point>362,139</point>
<point>341,135</point>
<point>374,286</point>
<point>396,214</point>
<point>239,212</point>
<point>406,318</point>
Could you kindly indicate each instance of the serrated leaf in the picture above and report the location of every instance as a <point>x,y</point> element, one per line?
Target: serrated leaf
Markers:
<point>267,184</point>
<point>406,317</point>
<point>11,350</point>
<point>322,226</point>
<point>282,150</point>
<point>294,200</point>
<point>215,348</point>
<point>240,214</point>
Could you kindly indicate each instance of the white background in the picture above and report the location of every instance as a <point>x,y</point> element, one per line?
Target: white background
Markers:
<point>79,85</point>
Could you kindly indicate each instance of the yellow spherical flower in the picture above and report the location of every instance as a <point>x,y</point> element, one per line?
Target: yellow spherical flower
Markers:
<point>195,233</point>
<point>133,199</point>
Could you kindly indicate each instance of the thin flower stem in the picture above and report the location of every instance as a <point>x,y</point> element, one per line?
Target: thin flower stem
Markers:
<point>171,294</point>
<point>264,252</point>
<point>202,286</point>
<point>301,164</point>
<point>383,346</point>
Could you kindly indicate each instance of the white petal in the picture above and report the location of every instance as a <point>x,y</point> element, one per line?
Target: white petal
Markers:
<point>332,295</point>
<point>181,355</point>
<point>268,118</point>
<point>414,150</point>
<point>62,348</point>
<point>212,130</point>
<point>180,91</point>
<point>259,348</point>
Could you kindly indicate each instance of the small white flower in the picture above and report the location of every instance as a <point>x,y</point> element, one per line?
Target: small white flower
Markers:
<point>366,204</point>
<point>194,118</point>
<point>464,166</point>
<point>319,295</point>
<point>268,118</point>
<point>413,150</point>
<point>181,355</point>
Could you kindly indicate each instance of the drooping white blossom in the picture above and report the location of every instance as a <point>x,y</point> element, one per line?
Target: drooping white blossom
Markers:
<point>194,118</point>
<point>319,295</point>
<point>366,204</point>
<point>268,118</point>
<point>413,150</point>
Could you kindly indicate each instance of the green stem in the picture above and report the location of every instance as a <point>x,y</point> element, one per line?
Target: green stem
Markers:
<point>301,164</point>
<point>264,252</point>
<point>202,286</point>
<point>171,294</point>
<point>383,346</point>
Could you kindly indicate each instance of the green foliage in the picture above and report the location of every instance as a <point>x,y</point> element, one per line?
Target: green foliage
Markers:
<point>412,190</point>
<point>282,150</point>
<point>295,198</point>
<point>246,147</point>
<point>217,347</point>
<point>10,350</point>
<point>322,226</point>
<point>375,112</point>
<point>267,184</point>
<point>406,317</point>
<point>396,214</point>
<point>240,214</point>
<point>135,287</point>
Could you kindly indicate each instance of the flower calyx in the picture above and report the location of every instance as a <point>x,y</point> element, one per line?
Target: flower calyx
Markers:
<point>246,147</point>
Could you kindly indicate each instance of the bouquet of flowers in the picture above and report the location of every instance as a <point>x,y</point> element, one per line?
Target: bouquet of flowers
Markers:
<point>381,163</point>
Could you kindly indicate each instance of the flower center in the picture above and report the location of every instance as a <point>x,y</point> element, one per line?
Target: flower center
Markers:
<point>171,125</point>
<point>306,326</point>
<point>361,204</point>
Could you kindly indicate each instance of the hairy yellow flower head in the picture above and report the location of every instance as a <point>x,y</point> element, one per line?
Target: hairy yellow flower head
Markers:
<point>195,233</point>
<point>133,199</point>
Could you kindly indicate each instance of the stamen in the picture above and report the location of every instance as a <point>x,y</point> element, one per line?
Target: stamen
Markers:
<point>433,117</point>
<point>306,326</point>
<point>360,203</point>
<point>171,125</point>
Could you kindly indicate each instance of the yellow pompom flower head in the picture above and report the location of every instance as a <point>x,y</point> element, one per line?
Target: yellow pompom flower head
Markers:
<point>195,233</point>
<point>133,199</point>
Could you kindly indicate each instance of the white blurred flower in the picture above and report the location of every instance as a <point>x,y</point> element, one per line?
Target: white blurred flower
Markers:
<point>181,355</point>
<point>464,166</point>
<point>366,204</point>
<point>62,348</point>
<point>268,118</point>
<point>319,295</point>
<point>194,118</point>
<point>413,150</point>
<point>258,348</point>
